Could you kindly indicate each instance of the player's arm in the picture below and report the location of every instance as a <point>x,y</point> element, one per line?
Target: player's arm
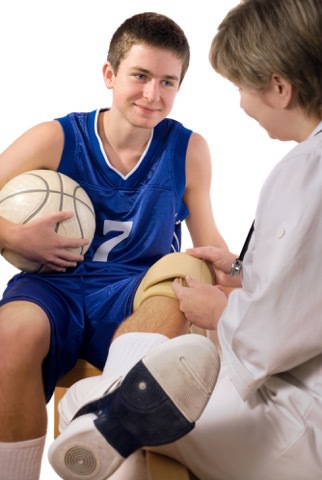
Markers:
<point>200,221</point>
<point>39,148</point>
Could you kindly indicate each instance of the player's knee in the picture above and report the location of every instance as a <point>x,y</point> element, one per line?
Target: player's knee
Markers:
<point>23,340</point>
<point>158,279</point>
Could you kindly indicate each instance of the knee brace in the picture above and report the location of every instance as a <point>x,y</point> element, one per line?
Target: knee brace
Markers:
<point>158,279</point>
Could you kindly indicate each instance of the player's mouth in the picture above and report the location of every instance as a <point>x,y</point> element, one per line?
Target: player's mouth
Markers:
<point>147,109</point>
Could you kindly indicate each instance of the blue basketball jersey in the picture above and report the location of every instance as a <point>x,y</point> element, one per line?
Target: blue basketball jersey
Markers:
<point>138,216</point>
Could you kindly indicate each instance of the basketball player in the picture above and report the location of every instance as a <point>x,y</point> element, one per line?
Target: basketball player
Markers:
<point>145,175</point>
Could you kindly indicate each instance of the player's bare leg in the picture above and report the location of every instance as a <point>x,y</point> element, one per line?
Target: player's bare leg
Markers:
<point>24,343</point>
<point>156,315</point>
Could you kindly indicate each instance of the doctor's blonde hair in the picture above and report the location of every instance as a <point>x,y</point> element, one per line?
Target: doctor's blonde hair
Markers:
<point>259,38</point>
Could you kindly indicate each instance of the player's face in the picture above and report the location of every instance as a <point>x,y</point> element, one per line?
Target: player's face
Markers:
<point>146,85</point>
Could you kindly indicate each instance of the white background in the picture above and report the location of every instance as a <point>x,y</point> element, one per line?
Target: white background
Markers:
<point>51,58</point>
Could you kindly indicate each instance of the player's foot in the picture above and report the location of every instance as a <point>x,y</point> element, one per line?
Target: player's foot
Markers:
<point>158,402</point>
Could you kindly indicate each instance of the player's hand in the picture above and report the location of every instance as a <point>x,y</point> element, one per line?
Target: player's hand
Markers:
<point>202,304</point>
<point>37,241</point>
<point>220,262</point>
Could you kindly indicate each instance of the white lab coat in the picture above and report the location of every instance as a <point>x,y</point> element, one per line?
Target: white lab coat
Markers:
<point>264,420</point>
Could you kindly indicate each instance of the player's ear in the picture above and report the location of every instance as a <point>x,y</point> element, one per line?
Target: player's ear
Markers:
<point>108,74</point>
<point>283,90</point>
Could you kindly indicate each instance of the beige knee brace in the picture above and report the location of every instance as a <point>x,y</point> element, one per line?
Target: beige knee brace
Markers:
<point>160,276</point>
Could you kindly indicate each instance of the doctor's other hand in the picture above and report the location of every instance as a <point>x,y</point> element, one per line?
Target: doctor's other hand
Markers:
<point>202,304</point>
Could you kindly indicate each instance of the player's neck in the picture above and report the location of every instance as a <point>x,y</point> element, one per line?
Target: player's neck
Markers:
<point>123,146</point>
<point>122,135</point>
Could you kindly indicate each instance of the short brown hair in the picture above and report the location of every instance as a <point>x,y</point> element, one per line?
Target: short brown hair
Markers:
<point>151,29</point>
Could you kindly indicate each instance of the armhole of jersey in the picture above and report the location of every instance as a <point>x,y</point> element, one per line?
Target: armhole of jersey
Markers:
<point>180,153</point>
<point>66,162</point>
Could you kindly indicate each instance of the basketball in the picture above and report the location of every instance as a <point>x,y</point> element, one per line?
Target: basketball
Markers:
<point>38,193</point>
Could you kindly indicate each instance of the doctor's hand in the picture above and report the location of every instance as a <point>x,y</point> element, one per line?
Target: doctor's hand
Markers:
<point>202,304</point>
<point>219,261</point>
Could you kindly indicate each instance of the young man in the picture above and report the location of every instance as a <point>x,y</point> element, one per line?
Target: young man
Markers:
<point>264,419</point>
<point>145,174</point>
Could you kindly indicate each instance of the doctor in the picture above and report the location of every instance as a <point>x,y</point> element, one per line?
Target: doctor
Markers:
<point>264,420</point>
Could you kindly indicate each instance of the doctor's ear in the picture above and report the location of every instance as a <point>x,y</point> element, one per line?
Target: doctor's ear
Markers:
<point>283,90</point>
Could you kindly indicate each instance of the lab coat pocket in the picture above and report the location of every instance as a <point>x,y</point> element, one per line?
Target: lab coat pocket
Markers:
<point>286,408</point>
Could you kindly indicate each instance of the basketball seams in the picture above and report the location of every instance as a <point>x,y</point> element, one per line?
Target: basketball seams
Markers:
<point>48,191</point>
<point>76,201</point>
<point>57,192</point>
<point>60,208</point>
<point>45,200</point>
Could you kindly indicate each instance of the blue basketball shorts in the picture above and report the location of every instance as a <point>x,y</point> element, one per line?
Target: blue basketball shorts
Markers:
<point>83,311</point>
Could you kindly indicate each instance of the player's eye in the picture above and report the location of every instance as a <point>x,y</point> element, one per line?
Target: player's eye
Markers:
<point>140,76</point>
<point>168,83</point>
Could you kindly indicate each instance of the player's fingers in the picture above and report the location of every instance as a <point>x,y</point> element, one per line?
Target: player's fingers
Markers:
<point>68,256</point>
<point>77,243</point>
<point>64,261</point>
<point>60,216</point>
